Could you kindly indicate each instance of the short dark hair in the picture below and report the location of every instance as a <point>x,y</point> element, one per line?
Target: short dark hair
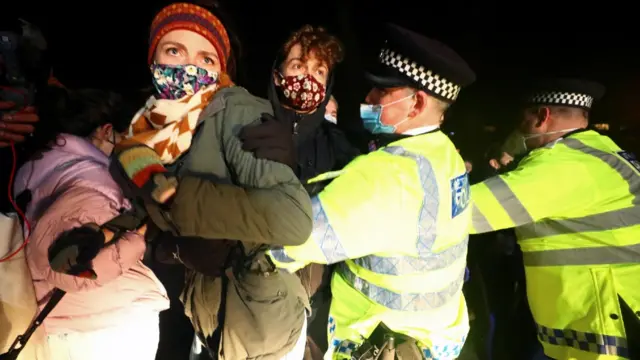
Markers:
<point>567,111</point>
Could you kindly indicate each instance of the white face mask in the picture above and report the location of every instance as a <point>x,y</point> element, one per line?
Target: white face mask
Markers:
<point>330,118</point>
<point>532,136</point>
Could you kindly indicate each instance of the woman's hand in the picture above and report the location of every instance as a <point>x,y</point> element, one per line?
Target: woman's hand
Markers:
<point>165,187</point>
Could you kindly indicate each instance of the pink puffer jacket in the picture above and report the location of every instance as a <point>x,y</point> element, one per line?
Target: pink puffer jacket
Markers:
<point>70,186</point>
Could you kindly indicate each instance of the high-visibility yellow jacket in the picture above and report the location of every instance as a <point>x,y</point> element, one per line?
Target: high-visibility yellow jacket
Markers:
<point>398,219</point>
<point>575,204</point>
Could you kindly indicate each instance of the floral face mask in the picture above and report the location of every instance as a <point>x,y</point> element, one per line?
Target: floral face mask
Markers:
<point>302,92</point>
<point>177,81</point>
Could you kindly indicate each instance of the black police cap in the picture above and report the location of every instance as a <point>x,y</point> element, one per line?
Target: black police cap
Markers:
<point>411,59</point>
<point>577,93</point>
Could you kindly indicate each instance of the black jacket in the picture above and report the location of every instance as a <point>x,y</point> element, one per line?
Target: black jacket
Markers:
<point>321,145</point>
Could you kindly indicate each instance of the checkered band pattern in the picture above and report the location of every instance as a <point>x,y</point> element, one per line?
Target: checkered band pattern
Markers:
<point>589,342</point>
<point>449,351</point>
<point>427,78</point>
<point>563,98</point>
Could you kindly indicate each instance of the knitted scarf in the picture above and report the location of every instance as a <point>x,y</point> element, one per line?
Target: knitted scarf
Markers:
<point>167,126</point>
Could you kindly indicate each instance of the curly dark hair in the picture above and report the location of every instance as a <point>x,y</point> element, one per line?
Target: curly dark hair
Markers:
<point>325,46</point>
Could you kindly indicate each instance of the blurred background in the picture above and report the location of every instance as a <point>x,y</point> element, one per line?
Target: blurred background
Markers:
<point>98,44</point>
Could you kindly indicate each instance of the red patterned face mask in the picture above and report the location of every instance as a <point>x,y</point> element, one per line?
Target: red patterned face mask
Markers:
<point>302,92</point>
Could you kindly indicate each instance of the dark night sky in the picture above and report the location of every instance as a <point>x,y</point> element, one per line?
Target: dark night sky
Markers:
<point>104,44</point>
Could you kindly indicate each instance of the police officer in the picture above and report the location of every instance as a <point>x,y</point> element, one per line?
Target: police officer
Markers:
<point>575,203</point>
<point>396,218</point>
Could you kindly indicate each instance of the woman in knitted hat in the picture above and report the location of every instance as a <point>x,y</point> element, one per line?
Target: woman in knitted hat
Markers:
<point>190,127</point>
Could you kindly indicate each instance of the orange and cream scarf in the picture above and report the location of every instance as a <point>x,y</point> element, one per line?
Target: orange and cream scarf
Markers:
<point>167,126</point>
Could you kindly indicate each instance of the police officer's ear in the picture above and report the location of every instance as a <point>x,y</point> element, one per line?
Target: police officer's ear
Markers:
<point>543,114</point>
<point>423,101</point>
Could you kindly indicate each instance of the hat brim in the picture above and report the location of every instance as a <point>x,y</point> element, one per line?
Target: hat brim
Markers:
<point>385,82</point>
<point>381,76</point>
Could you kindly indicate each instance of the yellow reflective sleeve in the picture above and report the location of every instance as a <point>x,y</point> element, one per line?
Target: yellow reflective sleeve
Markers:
<point>487,212</point>
<point>358,213</point>
<point>549,182</point>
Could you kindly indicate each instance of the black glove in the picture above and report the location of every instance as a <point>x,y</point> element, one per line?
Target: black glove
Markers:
<point>271,140</point>
<point>74,250</point>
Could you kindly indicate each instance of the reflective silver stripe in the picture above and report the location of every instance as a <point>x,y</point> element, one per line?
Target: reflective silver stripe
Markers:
<point>280,255</point>
<point>404,301</point>
<point>479,221</point>
<point>427,259</point>
<point>611,220</point>
<point>625,170</point>
<point>324,235</point>
<point>403,265</point>
<point>430,202</point>
<point>584,256</point>
<point>509,201</point>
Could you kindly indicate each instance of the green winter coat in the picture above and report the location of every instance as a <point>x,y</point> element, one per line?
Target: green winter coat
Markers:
<point>227,193</point>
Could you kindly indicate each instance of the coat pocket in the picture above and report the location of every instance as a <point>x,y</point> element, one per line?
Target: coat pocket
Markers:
<point>263,317</point>
<point>259,288</point>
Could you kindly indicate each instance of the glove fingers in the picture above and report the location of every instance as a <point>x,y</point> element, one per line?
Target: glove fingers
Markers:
<point>64,260</point>
<point>254,144</point>
<point>268,129</point>
<point>78,246</point>
<point>274,154</point>
<point>266,117</point>
<point>263,153</point>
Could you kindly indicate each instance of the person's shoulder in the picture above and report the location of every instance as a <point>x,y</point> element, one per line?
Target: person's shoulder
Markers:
<point>239,96</point>
<point>237,105</point>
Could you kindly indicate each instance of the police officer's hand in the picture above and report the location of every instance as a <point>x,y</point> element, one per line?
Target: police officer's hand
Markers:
<point>15,124</point>
<point>271,140</point>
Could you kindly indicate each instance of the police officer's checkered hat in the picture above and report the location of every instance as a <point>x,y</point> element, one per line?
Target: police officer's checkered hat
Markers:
<point>410,59</point>
<point>565,92</point>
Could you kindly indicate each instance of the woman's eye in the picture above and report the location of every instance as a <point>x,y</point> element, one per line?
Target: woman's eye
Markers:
<point>173,51</point>
<point>209,61</point>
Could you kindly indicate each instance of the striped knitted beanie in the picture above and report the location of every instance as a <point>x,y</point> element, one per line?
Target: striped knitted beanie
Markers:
<point>184,16</point>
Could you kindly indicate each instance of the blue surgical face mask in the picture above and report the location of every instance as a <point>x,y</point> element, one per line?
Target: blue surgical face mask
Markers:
<point>371,117</point>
